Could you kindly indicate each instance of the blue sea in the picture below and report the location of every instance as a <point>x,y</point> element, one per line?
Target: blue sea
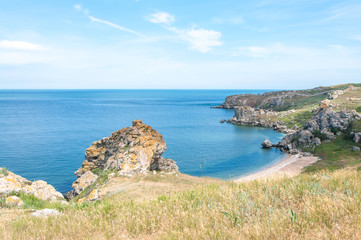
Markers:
<point>44,133</point>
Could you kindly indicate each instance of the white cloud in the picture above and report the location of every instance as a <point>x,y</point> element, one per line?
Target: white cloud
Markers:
<point>115,26</point>
<point>77,7</point>
<point>161,17</point>
<point>203,40</point>
<point>20,45</point>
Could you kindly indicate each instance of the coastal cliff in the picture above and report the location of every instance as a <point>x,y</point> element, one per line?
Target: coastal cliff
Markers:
<point>317,125</point>
<point>284,100</point>
<point>129,151</point>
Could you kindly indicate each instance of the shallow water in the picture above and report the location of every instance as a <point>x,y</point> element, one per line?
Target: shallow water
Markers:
<point>44,133</point>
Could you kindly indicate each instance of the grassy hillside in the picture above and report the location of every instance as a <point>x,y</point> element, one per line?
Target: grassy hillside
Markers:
<point>310,206</point>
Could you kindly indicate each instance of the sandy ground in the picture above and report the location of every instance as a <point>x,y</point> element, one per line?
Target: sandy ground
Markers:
<point>290,166</point>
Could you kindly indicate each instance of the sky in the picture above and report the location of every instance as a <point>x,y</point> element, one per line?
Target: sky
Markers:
<point>198,44</point>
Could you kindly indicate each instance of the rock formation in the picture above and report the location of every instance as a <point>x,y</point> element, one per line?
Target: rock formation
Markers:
<point>249,116</point>
<point>131,150</point>
<point>267,144</point>
<point>11,182</point>
<point>321,127</point>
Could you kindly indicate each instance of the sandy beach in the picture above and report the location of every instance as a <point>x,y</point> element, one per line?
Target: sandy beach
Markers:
<point>290,166</point>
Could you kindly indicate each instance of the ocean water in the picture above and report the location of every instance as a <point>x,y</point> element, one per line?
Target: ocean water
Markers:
<point>44,133</point>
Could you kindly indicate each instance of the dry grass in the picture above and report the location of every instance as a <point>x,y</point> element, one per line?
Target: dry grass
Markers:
<point>322,206</point>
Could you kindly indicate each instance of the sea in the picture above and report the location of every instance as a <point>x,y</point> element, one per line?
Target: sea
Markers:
<point>44,133</point>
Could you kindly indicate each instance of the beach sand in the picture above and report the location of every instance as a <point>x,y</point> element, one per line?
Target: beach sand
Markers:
<point>290,166</point>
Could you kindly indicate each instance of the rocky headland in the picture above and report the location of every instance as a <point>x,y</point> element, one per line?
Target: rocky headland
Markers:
<point>305,128</point>
<point>130,151</point>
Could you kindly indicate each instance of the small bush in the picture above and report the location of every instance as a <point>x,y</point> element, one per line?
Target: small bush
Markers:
<point>4,171</point>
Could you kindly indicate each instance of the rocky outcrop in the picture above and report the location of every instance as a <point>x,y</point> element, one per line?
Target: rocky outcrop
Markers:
<point>131,150</point>
<point>11,182</point>
<point>322,127</point>
<point>249,116</point>
<point>277,100</point>
<point>14,201</point>
<point>267,144</point>
<point>356,137</point>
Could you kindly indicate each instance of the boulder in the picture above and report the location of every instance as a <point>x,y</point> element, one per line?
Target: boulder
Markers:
<point>355,149</point>
<point>40,189</point>
<point>357,137</point>
<point>164,164</point>
<point>267,144</point>
<point>14,201</point>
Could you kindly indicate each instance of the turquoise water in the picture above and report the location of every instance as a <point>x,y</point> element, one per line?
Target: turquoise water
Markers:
<point>44,133</point>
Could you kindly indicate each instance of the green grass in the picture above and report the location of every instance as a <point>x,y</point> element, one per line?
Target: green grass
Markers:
<point>336,154</point>
<point>326,205</point>
<point>4,171</point>
<point>102,179</point>
<point>31,202</point>
<point>298,118</point>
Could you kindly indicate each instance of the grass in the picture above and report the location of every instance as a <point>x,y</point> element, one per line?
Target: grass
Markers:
<point>4,171</point>
<point>31,202</point>
<point>337,153</point>
<point>326,205</point>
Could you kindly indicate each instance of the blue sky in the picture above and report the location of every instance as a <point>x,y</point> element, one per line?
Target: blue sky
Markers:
<point>206,44</point>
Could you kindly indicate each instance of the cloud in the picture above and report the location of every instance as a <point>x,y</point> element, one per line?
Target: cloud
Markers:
<point>115,26</point>
<point>161,17</point>
<point>20,45</point>
<point>203,40</point>
<point>77,7</point>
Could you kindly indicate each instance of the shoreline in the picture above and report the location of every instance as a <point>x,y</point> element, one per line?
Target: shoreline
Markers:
<point>292,165</point>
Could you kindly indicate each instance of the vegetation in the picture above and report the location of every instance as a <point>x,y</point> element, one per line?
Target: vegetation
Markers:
<point>4,171</point>
<point>326,205</point>
<point>31,202</point>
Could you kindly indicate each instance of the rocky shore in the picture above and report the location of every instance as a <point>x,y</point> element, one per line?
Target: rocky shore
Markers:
<point>326,122</point>
<point>131,151</point>
<point>127,152</point>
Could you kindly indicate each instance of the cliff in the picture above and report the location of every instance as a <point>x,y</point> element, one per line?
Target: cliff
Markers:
<point>129,151</point>
<point>284,100</point>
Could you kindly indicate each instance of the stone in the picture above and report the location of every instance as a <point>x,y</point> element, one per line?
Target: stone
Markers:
<point>40,189</point>
<point>357,137</point>
<point>45,212</point>
<point>317,141</point>
<point>84,181</point>
<point>267,144</point>
<point>164,164</point>
<point>14,201</point>
<point>223,120</point>
<point>355,149</point>
<point>131,150</point>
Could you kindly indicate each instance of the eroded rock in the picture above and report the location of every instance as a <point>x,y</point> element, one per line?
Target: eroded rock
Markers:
<point>40,189</point>
<point>267,144</point>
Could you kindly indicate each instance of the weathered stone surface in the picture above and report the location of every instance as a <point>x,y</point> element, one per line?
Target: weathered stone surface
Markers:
<point>45,212</point>
<point>14,201</point>
<point>131,150</point>
<point>84,181</point>
<point>40,189</point>
<point>357,137</point>
<point>324,122</point>
<point>355,149</point>
<point>249,116</point>
<point>267,144</point>
<point>164,164</point>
